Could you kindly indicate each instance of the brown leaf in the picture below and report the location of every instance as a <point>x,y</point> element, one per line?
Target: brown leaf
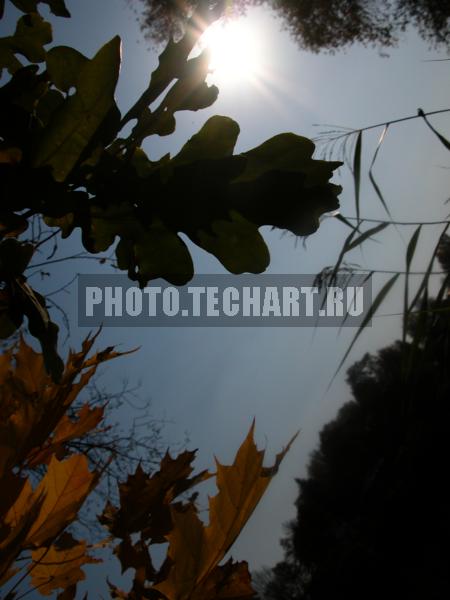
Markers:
<point>64,489</point>
<point>32,405</point>
<point>60,565</point>
<point>195,550</point>
<point>230,581</point>
<point>8,575</point>
<point>117,592</point>
<point>67,430</point>
<point>87,419</point>
<point>68,594</point>
<point>145,500</point>
<point>135,556</point>
<point>19,511</point>
<point>29,368</point>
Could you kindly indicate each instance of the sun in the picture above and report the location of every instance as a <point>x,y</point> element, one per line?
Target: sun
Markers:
<point>236,55</point>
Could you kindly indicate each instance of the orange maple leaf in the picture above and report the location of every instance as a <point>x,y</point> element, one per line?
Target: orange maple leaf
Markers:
<point>195,550</point>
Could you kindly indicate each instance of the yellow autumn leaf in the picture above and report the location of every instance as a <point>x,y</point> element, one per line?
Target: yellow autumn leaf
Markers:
<point>9,574</point>
<point>64,488</point>
<point>59,566</point>
<point>196,550</point>
<point>19,507</point>
<point>33,406</point>
<point>29,369</point>
<point>86,419</point>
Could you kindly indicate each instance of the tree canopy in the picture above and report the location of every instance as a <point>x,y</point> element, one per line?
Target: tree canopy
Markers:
<point>322,25</point>
<point>372,514</point>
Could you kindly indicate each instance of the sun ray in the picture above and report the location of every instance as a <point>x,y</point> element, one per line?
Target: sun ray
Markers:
<point>236,53</point>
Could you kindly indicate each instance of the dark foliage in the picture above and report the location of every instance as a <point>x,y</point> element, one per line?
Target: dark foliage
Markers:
<point>372,515</point>
<point>324,25</point>
<point>319,25</point>
<point>161,19</point>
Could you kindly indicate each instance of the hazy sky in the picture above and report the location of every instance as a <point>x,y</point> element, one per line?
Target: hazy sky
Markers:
<point>212,382</point>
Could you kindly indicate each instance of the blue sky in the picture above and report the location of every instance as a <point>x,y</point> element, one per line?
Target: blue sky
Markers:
<point>212,382</point>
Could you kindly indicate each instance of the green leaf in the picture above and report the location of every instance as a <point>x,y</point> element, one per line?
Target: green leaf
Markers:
<point>144,166</point>
<point>172,65</point>
<point>172,61</point>
<point>7,58</point>
<point>78,119</point>
<point>283,152</point>
<point>64,65</point>
<point>185,96</point>
<point>216,139</point>
<point>26,6</point>
<point>237,243</point>
<point>164,125</point>
<point>357,171</point>
<point>48,105</point>
<point>289,153</point>
<point>66,224</point>
<point>32,34</point>
<point>162,253</point>
<point>100,231</point>
<point>57,7</point>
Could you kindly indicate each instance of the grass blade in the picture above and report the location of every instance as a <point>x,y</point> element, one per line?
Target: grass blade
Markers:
<point>424,283</point>
<point>441,138</point>
<point>373,309</point>
<point>333,275</point>
<point>364,236</point>
<point>366,278</point>
<point>357,171</point>
<point>410,251</point>
<point>419,334</point>
<point>344,220</point>
<point>372,178</point>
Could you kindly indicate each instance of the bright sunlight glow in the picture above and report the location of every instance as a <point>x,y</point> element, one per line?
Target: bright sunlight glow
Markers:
<point>235,53</point>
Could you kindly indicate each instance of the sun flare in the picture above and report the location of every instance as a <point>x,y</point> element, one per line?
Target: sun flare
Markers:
<point>235,53</point>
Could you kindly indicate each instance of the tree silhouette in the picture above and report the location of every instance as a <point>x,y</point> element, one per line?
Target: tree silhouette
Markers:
<point>372,514</point>
<point>323,25</point>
